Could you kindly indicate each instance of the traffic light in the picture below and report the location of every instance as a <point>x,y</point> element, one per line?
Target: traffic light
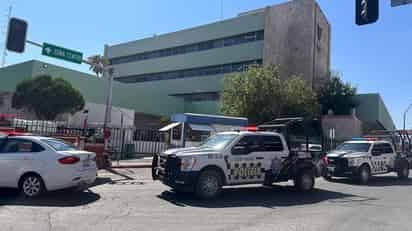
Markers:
<point>367,11</point>
<point>16,35</point>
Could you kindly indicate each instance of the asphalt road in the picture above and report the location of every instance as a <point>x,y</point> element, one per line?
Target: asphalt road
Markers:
<point>138,204</point>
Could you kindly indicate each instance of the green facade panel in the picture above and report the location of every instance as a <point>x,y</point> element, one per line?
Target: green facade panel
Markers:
<point>11,75</point>
<point>225,28</point>
<point>203,107</point>
<point>149,97</point>
<point>232,54</point>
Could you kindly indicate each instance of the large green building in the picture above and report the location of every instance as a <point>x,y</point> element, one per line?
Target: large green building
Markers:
<point>185,69</point>
<point>150,100</point>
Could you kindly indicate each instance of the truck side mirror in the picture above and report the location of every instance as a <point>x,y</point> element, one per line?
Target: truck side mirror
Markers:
<point>240,150</point>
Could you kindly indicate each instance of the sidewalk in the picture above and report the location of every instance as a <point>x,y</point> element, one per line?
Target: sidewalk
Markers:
<point>145,162</point>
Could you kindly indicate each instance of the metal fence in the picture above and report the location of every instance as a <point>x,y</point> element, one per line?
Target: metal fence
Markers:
<point>132,142</point>
<point>123,142</point>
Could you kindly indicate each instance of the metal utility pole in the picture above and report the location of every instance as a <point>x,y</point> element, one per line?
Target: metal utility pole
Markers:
<point>108,74</point>
<point>3,58</point>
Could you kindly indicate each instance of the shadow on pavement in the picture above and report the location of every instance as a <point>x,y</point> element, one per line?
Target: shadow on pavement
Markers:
<point>376,181</point>
<point>63,198</point>
<point>270,197</point>
<point>110,181</point>
<point>101,181</point>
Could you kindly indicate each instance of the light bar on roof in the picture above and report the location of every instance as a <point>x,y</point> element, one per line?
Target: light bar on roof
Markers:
<point>365,139</point>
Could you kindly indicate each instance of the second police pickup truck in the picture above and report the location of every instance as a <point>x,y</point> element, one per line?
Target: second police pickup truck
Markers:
<point>361,158</point>
<point>234,158</point>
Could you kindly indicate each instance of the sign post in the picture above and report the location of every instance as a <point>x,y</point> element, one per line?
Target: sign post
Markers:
<point>62,53</point>
<point>332,136</point>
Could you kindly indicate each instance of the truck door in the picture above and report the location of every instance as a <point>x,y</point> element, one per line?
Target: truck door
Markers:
<point>246,163</point>
<point>388,155</point>
<point>275,153</point>
<point>378,159</point>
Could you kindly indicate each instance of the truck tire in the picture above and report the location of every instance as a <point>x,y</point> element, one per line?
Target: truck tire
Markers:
<point>403,171</point>
<point>327,177</point>
<point>364,174</point>
<point>154,165</point>
<point>209,184</point>
<point>305,180</point>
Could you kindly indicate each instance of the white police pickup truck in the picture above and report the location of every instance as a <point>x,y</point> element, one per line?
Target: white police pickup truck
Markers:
<point>233,158</point>
<point>361,158</point>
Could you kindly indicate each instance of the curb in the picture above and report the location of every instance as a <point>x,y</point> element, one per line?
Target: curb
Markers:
<point>133,166</point>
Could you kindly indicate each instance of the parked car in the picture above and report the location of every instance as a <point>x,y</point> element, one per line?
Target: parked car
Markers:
<point>234,158</point>
<point>362,158</point>
<point>37,164</point>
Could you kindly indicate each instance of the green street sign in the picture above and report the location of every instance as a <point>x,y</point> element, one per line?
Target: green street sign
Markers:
<point>62,53</point>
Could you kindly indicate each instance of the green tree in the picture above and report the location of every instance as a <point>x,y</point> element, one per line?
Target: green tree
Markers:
<point>47,97</point>
<point>260,95</point>
<point>300,99</point>
<point>337,96</point>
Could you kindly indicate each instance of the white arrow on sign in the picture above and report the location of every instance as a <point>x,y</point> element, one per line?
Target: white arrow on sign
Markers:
<point>47,50</point>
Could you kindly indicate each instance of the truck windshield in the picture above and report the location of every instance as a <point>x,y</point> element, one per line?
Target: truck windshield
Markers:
<point>356,147</point>
<point>219,141</point>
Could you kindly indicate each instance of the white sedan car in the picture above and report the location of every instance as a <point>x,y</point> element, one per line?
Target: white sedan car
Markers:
<point>37,164</point>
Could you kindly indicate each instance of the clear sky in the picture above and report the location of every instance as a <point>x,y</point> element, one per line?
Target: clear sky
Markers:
<point>375,58</point>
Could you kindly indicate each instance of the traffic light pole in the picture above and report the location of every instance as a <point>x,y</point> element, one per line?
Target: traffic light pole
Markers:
<point>36,44</point>
<point>108,74</point>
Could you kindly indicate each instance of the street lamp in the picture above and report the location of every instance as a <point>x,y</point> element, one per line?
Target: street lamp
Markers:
<point>404,116</point>
<point>404,125</point>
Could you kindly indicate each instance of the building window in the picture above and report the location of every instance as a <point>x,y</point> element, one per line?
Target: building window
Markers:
<point>199,96</point>
<point>206,45</point>
<point>189,73</point>
<point>320,31</point>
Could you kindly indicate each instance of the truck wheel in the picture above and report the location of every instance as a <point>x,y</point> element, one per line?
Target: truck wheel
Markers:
<point>305,181</point>
<point>364,174</point>
<point>209,184</point>
<point>403,171</point>
<point>327,177</point>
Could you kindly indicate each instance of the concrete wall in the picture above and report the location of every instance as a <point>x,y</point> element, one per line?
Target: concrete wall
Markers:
<point>346,127</point>
<point>322,48</point>
<point>373,112</point>
<point>291,40</point>
<point>96,116</point>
